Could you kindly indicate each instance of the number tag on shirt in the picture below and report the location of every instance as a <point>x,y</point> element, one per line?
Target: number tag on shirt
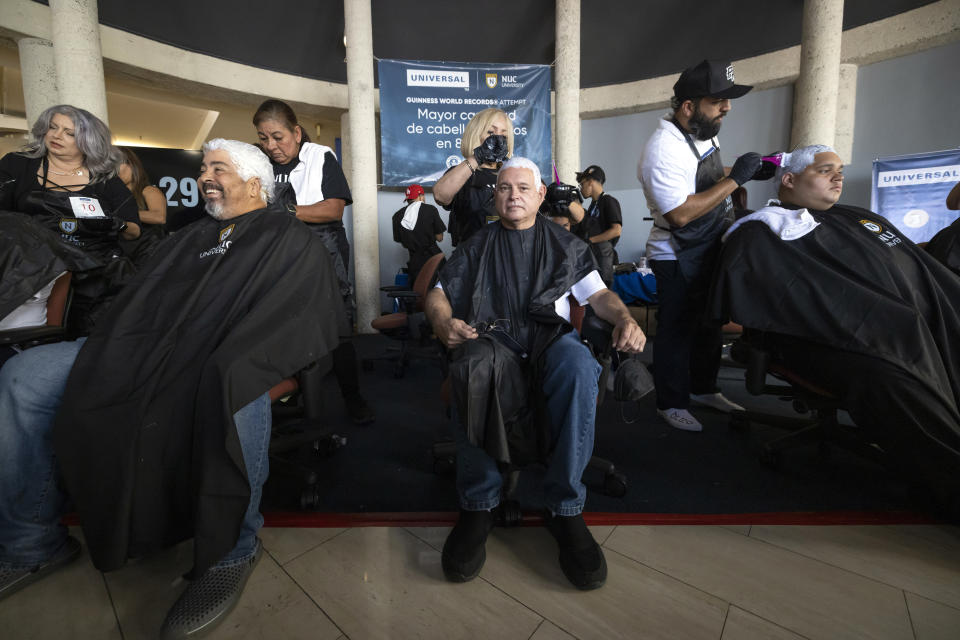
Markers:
<point>84,207</point>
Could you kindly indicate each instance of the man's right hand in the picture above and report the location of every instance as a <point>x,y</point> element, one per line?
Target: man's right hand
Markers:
<point>745,168</point>
<point>455,332</point>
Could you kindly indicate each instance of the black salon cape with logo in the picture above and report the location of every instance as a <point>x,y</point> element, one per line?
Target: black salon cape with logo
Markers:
<point>30,257</point>
<point>945,246</point>
<point>853,283</point>
<point>501,403</point>
<point>145,435</point>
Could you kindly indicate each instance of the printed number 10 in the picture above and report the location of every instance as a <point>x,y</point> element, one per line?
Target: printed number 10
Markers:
<point>188,187</point>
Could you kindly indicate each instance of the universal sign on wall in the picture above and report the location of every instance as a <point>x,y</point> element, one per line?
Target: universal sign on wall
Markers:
<point>425,106</point>
<point>911,191</point>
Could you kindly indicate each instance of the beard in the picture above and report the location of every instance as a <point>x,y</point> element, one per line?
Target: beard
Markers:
<point>701,127</point>
<point>214,209</point>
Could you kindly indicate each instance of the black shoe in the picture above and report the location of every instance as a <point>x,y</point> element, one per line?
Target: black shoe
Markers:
<point>208,599</point>
<point>463,552</point>
<point>16,577</point>
<point>358,410</point>
<point>581,558</point>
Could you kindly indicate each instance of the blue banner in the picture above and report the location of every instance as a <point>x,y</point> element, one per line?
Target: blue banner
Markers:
<point>911,191</point>
<point>424,107</point>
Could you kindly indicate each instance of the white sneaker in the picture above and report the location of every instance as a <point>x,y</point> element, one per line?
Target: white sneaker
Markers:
<point>715,401</point>
<point>680,419</point>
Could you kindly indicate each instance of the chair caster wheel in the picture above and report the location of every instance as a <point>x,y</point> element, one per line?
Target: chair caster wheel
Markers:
<point>310,498</point>
<point>443,466</point>
<point>615,485</point>
<point>366,365</point>
<point>770,458</point>
<point>510,514</point>
<point>739,423</point>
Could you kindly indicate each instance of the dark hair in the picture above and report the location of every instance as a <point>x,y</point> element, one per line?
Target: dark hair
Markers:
<point>280,111</point>
<point>138,176</point>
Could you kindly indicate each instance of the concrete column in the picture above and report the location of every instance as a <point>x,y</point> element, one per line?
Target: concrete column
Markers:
<point>567,84</point>
<point>815,93</point>
<point>345,157</point>
<point>39,76</point>
<point>846,112</point>
<point>361,135</point>
<point>76,48</point>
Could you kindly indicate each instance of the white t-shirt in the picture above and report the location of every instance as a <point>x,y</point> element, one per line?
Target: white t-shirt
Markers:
<point>581,292</point>
<point>667,170</point>
<point>32,313</point>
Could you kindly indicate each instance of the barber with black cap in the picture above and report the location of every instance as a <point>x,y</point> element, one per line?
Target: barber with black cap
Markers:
<point>688,193</point>
<point>600,223</point>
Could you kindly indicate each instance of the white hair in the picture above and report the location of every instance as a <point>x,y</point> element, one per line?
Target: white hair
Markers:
<point>799,159</point>
<point>249,161</point>
<point>519,162</point>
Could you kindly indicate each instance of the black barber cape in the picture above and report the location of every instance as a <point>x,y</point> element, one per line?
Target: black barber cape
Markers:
<point>145,435</point>
<point>30,257</point>
<point>853,283</point>
<point>486,280</point>
<point>945,246</point>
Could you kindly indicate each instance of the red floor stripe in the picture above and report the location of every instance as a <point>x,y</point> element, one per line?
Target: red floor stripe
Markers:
<point>440,518</point>
<point>447,518</point>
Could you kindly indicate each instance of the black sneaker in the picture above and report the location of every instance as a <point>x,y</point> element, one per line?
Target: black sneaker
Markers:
<point>358,410</point>
<point>581,558</point>
<point>207,600</point>
<point>464,552</point>
<point>15,577</point>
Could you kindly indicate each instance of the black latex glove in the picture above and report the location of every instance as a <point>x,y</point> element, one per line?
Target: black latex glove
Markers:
<point>745,168</point>
<point>577,195</point>
<point>101,226</point>
<point>493,149</point>
<point>766,171</point>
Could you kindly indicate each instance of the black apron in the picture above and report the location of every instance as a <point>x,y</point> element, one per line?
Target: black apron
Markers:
<point>698,241</point>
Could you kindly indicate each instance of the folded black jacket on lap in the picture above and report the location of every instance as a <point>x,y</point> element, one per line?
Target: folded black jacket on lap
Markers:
<point>853,283</point>
<point>145,434</point>
<point>497,393</point>
<point>31,256</point>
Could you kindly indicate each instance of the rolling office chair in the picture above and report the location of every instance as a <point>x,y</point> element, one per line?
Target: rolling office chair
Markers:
<point>298,421</point>
<point>409,327</point>
<point>821,427</point>
<point>597,334</point>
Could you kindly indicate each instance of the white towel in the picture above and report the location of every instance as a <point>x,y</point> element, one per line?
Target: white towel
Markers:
<point>410,216</point>
<point>789,224</point>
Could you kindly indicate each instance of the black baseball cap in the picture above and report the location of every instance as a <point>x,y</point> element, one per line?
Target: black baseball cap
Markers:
<point>593,171</point>
<point>714,79</point>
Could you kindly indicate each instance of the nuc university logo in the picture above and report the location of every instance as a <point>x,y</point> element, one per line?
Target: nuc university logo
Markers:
<point>491,80</point>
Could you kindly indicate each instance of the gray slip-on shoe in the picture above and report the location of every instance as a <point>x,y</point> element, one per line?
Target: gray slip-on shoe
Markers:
<point>208,600</point>
<point>15,577</point>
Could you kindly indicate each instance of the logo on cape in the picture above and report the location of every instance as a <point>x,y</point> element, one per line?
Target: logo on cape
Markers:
<point>225,233</point>
<point>491,80</point>
<point>869,225</point>
<point>68,225</point>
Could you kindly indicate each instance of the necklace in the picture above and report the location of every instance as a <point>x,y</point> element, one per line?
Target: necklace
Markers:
<point>72,172</point>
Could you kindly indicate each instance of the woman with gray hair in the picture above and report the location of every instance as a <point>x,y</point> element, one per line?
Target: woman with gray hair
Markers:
<point>66,180</point>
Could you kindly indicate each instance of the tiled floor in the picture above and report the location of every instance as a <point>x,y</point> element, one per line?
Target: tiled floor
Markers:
<point>684,582</point>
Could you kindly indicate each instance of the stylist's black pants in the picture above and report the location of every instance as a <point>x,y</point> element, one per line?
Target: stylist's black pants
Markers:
<point>916,427</point>
<point>686,353</point>
<point>606,258</point>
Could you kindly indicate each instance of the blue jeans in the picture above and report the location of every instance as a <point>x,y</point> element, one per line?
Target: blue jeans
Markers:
<point>570,386</point>
<point>31,502</point>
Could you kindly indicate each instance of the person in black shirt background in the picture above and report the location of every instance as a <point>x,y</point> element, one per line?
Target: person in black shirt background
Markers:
<point>418,227</point>
<point>601,223</point>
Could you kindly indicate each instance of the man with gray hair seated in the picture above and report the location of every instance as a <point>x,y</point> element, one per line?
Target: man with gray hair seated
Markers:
<point>159,421</point>
<point>850,304</point>
<point>523,383</point>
